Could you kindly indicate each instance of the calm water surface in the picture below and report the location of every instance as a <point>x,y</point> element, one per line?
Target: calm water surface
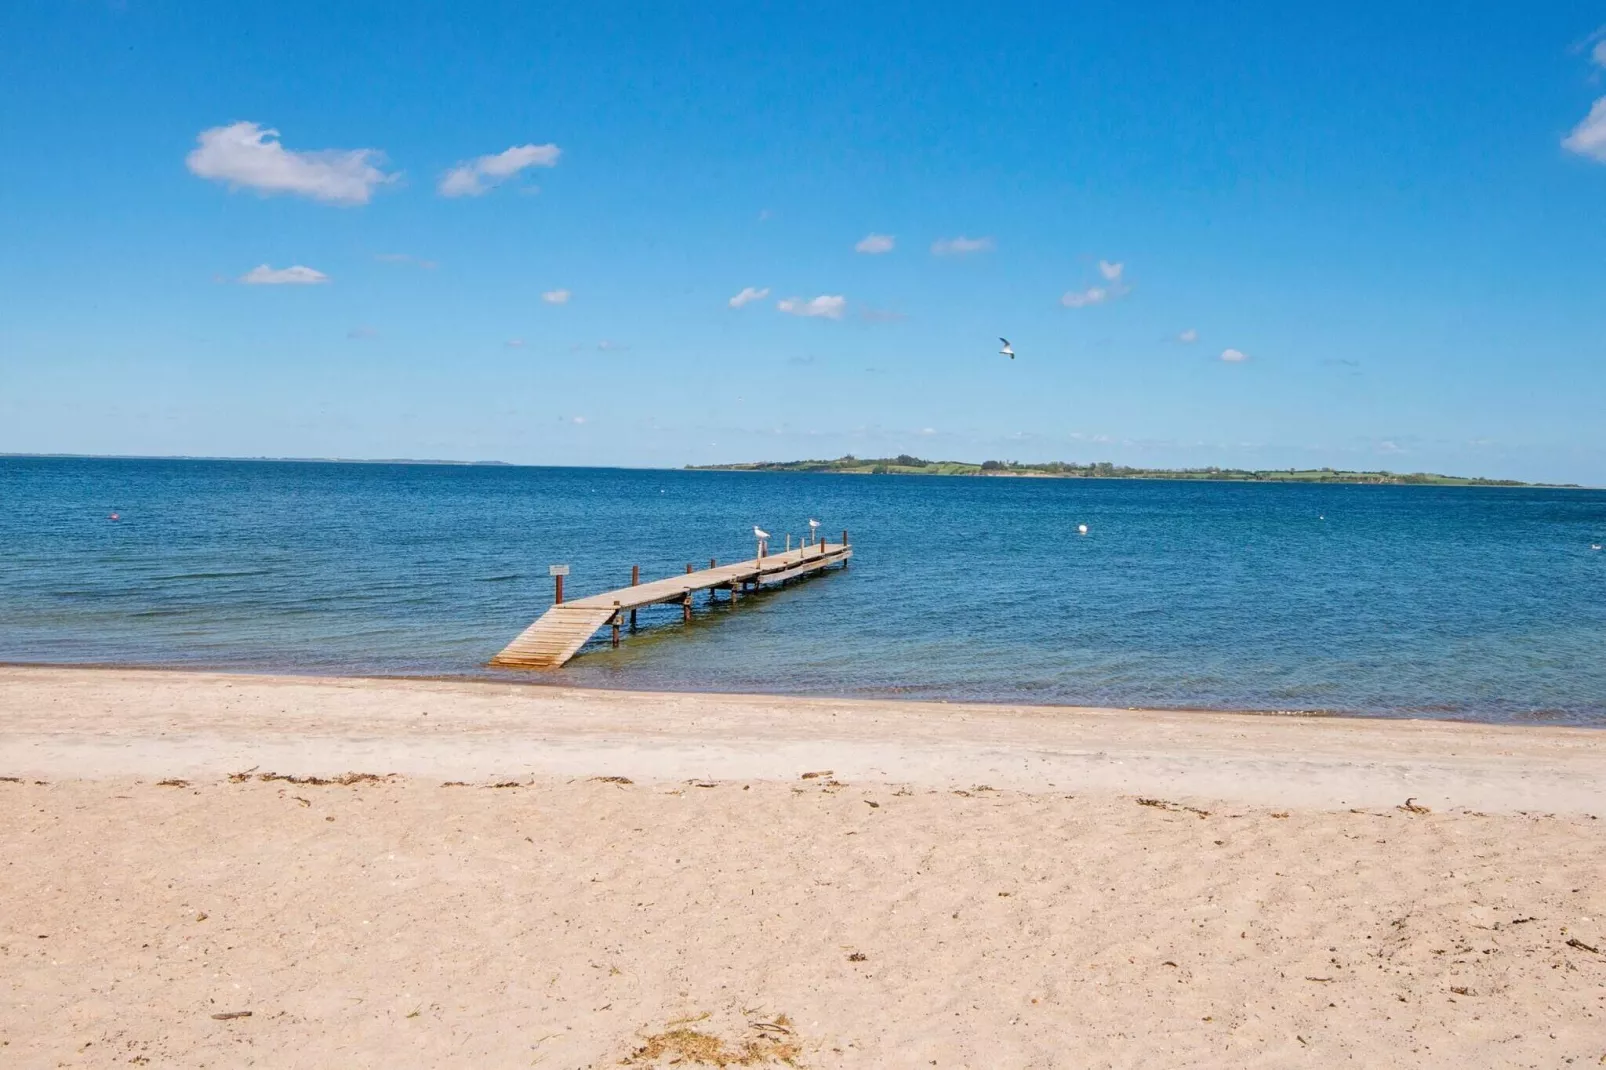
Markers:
<point>1395,601</point>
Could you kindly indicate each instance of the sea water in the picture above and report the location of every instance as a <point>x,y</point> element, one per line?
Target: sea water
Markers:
<point>1477,603</point>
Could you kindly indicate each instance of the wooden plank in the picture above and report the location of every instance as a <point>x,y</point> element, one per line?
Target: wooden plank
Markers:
<point>563,629</point>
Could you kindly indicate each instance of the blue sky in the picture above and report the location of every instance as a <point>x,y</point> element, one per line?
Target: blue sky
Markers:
<point>514,231</point>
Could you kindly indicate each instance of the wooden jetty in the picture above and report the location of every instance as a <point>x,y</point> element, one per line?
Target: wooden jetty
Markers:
<point>561,631</point>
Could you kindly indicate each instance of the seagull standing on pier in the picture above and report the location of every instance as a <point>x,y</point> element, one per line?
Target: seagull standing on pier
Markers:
<point>1008,350</point>
<point>762,536</point>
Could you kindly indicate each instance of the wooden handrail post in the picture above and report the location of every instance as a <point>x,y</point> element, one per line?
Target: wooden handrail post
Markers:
<point>557,599</point>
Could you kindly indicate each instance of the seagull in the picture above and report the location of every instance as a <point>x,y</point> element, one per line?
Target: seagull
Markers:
<point>759,532</point>
<point>1008,350</point>
<point>1594,546</point>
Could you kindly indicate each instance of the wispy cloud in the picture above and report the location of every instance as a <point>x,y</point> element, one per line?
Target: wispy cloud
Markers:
<point>961,246</point>
<point>1188,337</point>
<point>247,155</point>
<point>874,244</point>
<point>556,297</point>
<point>1113,273</point>
<point>828,306</point>
<point>403,258</point>
<point>1234,356</point>
<point>882,315</point>
<point>1093,295</point>
<point>514,343</point>
<point>1589,137</point>
<point>362,332</point>
<point>749,295</point>
<point>484,173</point>
<point>295,275</point>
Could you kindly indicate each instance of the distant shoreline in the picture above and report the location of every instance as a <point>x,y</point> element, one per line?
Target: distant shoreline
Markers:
<point>905,465</point>
<point>888,466</point>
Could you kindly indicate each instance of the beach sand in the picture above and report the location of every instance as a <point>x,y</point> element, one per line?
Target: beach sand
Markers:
<point>960,886</point>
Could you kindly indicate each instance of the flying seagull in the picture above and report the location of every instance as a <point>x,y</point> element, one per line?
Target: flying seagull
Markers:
<point>1008,350</point>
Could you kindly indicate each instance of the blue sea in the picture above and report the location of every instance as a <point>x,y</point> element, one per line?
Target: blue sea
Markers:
<point>1469,603</point>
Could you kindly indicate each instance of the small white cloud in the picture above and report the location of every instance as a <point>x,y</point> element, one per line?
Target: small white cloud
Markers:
<point>482,174</point>
<point>403,258</point>
<point>578,420</point>
<point>514,343</point>
<point>1389,447</point>
<point>829,306</point>
<point>296,275</point>
<point>362,332</point>
<point>928,430</point>
<point>249,155</point>
<point>1111,272</point>
<point>748,295</point>
<point>1234,356</point>
<point>1188,337</point>
<point>1589,137</point>
<point>1093,295</point>
<point>961,246</point>
<point>874,244</point>
<point>556,297</point>
<point>1598,53</point>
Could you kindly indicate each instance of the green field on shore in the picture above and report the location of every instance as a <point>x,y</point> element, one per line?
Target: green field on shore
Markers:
<point>905,465</point>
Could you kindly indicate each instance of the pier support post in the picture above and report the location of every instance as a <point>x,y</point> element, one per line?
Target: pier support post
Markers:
<point>685,608</point>
<point>618,615</point>
<point>635,581</point>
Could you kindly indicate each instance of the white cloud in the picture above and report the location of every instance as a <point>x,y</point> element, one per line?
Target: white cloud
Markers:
<point>474,177</point>
<point>514,343</point>
<point>928,430</point>
<point>747,295</point>
<point>1097,295</point>
<point>1188,337</point>
<point>403,258</point>
<point>1598,53</point>
<point>1589,137</point>
<point>830,306</point>
<point>578,420</point>
<point>874,243</point>
<point>556,297</point>
<point>295,275</point>
<point>1234,356</point>
<point>961,246</point>
<point>249,155</point>
<point>1093,295</point>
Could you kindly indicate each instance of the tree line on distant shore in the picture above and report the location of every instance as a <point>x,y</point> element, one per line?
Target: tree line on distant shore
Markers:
<point>904,464</point>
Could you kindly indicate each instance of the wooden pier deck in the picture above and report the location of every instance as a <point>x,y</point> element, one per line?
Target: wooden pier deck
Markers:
<point>561,631</point>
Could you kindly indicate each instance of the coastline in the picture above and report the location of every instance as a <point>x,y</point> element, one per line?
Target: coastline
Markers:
<point>132,722</point>
<point>461,873</point>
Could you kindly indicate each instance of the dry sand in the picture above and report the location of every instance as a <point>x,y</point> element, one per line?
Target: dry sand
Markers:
<point>967,886</point>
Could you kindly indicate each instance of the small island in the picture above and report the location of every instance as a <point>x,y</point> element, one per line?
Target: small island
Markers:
<point>905,465</point>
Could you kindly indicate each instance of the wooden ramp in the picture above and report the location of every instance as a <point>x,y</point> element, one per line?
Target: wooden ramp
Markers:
<point>561,631</point>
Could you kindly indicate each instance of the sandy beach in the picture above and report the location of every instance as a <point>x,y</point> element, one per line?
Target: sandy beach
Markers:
<point>433,873</point>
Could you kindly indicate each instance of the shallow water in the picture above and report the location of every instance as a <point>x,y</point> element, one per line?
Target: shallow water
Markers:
<point>1475,603</point>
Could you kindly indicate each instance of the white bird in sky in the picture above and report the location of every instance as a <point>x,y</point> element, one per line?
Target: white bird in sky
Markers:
<point>1008,350</point>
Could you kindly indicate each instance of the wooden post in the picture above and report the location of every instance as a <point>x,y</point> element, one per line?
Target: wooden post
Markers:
<point>712,563</point>
<point>688,568</point>
<point>616,615</point>
<point>844,536</point>
<point>685,608</point>
<point>635,580</point>
<point>557,599</point>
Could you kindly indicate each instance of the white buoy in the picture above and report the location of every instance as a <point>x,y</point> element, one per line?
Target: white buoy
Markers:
<point>1081,529</point>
